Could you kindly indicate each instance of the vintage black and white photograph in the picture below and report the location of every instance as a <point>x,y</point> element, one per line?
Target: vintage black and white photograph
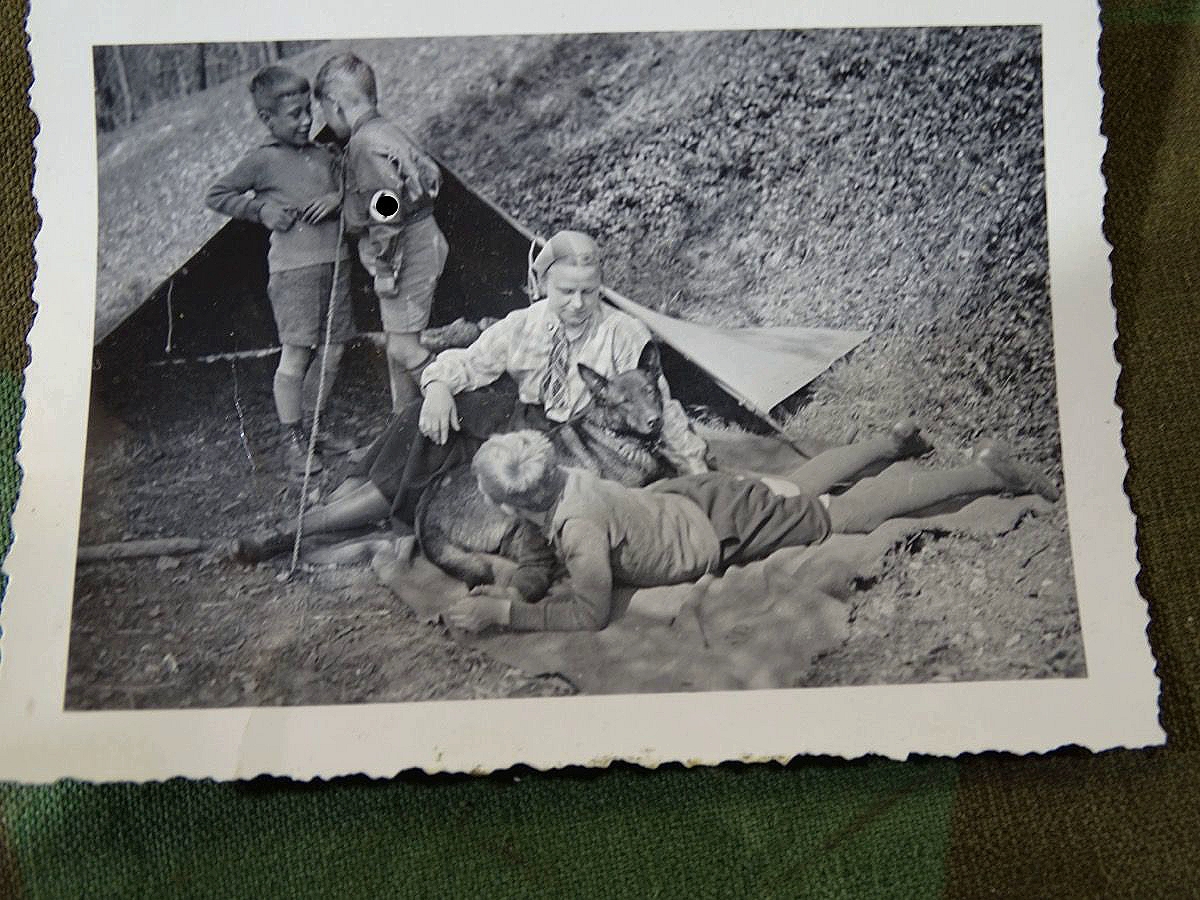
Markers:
<point>598,363</point>
<point>445,391</point>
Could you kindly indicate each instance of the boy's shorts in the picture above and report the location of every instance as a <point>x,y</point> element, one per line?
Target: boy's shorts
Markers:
<point>751,520</point>
<point>423,251</point>
<point>300,301</point>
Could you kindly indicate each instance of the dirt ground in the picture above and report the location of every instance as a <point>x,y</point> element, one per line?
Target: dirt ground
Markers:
<point>958,608</point>
<point>203,631</point>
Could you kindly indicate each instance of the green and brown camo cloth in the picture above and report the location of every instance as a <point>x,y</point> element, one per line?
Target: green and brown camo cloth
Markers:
<point>1064,825</point>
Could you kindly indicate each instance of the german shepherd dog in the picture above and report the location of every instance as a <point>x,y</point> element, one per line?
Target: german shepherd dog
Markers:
<point>616,436</point>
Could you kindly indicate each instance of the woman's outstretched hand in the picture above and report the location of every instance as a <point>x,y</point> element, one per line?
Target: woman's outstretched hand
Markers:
<point>439,414</point>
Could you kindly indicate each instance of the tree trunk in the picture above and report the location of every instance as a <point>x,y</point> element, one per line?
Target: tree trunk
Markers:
<point>272,50</point>
<point>201,67</point>
<point>183,74</point>
<point>123,86</point>
<point>244,59</point>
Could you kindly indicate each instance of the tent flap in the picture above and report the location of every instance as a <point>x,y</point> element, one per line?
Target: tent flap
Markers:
<point>761,367</point>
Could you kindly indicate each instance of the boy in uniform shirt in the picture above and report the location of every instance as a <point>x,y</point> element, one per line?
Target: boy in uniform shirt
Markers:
<point>288,184</point>
<point>681,529</point>
<point>391,186</point>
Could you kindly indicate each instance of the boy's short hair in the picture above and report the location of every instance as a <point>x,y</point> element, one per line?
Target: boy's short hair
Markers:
<point>347,68</point>
<point>517,469</point>
<point>272,83</point>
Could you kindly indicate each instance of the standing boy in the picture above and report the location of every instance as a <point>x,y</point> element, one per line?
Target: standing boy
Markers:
<point>683,528</point>
<point>288,184</point>
<point>391,186</point>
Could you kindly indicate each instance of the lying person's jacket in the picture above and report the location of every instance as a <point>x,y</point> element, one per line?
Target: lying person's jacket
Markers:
<point>607,534</point>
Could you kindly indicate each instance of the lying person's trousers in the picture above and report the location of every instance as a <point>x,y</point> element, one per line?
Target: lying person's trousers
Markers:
<point>751,521</point>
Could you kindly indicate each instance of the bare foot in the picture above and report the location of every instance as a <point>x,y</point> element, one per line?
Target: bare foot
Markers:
<point>1019,477</point>
<point>906,435</point>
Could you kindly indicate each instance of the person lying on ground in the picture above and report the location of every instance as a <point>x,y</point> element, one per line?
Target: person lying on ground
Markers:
<point>540,347</point>
<point>681,529</point>
<point>391,186</point>
<point>288,185</point>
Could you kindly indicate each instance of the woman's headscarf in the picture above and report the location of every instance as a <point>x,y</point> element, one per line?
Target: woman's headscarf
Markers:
<point>571,247</point>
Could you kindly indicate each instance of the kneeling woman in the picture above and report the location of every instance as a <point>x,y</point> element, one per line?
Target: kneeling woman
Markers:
<point>539,347</point>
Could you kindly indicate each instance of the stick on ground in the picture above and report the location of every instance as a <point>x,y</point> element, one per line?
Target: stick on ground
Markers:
<point>175,546</point>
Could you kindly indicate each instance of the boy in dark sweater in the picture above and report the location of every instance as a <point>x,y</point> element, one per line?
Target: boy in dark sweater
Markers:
<point>682,528</point>
<point>288,184</point>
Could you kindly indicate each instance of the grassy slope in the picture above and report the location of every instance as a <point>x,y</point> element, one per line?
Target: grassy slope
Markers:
<point>882,179</point>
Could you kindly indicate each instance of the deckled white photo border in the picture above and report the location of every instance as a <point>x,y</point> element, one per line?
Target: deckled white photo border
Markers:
<point>1115,705</point>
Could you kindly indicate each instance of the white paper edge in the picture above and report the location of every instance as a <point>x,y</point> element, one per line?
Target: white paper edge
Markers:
<point>1115,705</point>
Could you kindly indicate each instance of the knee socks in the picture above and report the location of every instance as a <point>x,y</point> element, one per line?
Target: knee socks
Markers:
<point>313,376</point>
<point>288,389</point>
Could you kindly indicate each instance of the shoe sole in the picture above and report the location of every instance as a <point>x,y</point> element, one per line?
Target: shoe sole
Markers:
<point>252,553</point>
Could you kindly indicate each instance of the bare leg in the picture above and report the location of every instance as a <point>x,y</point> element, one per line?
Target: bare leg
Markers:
<point>289,378</point>
<point>289,390</point>
<point>842,464</point>
<point>873,501</point>
<point>405,357</point>
<point>364,505</point>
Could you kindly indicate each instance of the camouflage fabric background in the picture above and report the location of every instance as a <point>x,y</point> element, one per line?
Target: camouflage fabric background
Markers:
<point>1067,824</point>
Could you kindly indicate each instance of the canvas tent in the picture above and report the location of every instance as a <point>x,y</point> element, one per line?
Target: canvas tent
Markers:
<point>173,285</point>
<point>757,367</point>
<point>216,303</point>
<point>215,300</point>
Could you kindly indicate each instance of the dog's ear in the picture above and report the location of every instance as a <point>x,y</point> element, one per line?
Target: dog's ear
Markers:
<point>596,383</point>
<point>650,361</point>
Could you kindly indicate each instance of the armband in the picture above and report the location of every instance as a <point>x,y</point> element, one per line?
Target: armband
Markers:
<point>384,208</point>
